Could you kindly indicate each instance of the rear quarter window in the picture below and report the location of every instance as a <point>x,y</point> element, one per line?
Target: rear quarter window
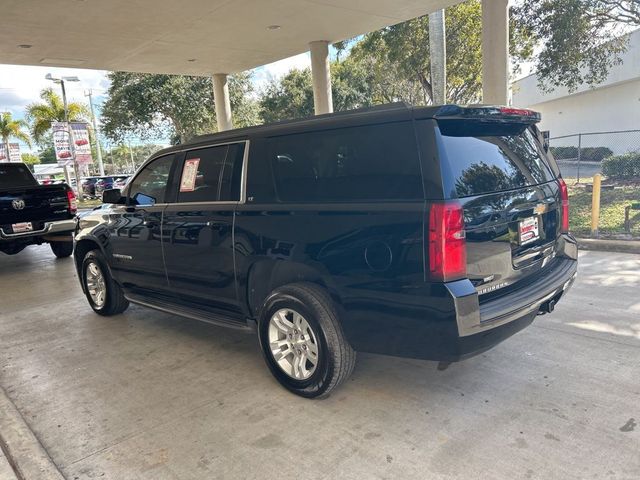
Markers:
<point>485,159</point>
<point>365,163</point>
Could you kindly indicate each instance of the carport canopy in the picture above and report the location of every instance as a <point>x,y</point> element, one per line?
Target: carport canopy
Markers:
<point>198,37</point>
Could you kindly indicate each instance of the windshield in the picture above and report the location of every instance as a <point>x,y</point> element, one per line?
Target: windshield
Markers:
<point>12,176</point>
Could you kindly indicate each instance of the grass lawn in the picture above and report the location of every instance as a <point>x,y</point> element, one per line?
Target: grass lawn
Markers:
<point>612,203</point>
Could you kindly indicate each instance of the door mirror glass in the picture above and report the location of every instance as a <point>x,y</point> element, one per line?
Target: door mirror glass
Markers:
<point>143,199</point>
<point>112,196</point>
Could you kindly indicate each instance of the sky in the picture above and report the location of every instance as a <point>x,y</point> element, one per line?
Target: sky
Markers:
<point>21,85</point>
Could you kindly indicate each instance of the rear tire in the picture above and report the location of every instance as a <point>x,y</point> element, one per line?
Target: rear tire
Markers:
<point>103,293</point>
<point>62,249</point>
<point>302,340</point>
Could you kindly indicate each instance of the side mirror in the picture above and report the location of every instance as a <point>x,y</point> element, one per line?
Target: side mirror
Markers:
<point>112,196</point>
<point>545,140</point>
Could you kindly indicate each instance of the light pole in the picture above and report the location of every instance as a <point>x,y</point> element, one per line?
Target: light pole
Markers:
<point>95,132</point>
<point>61,81</point>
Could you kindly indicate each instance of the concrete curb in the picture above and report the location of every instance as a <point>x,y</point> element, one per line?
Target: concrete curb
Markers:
<point>25,453</point>
<point>603,245</point>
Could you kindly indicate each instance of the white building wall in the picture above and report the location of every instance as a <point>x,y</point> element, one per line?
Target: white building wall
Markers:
<point>611,106</point>
<point>602,110</point>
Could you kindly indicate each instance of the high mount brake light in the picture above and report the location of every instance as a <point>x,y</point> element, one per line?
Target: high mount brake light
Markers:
<point>488,112</point>
<point>447,246</point>
<point>522,112</point>
<point>564,210</point>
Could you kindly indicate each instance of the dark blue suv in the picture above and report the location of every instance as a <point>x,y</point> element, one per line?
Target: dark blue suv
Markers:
<point>430,233</point>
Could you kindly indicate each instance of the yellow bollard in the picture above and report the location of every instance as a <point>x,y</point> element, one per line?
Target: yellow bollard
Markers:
<point>595,204</point>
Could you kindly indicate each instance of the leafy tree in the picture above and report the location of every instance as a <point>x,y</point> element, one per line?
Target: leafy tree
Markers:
<point>47,152</point>
<point>30,159</point>
<point>289,97</point>
<point>51,109</point>
<point>118,158</point>
<point>398,57</point>
<point>177,106</point>
<point>12,129</point>
<point>292,95</point>
<point>578,40</point>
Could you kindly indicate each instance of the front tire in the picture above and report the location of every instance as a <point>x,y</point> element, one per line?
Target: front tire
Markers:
<point>302,340</point>
<point>62,249</point>
<point>103,293</point>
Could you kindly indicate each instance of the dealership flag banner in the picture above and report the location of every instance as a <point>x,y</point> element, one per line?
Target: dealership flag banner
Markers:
<point>14,153</point>
<point>61,143</point>
<point>81,143</point>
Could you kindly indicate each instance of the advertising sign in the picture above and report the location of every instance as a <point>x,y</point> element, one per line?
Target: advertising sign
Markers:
<point>61,143</point>
<point>81,143</point>
<point>14,153</point>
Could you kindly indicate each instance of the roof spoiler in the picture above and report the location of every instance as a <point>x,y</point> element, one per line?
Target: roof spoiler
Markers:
<point>489,113</point>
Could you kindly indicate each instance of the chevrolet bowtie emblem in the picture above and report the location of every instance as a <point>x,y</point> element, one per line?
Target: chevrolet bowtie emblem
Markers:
<point>540,208</point>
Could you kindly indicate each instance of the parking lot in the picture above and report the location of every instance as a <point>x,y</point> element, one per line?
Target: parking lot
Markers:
<point>147,395</point>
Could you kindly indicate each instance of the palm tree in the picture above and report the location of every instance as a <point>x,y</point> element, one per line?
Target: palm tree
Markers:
<point>10,128</point>
<point>50,110</point>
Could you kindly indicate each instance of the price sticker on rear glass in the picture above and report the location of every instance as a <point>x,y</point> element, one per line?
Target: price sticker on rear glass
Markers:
<point>189,175</point>
<point>529,230</point>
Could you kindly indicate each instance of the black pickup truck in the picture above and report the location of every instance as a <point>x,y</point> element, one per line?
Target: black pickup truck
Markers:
<point>32,214</point>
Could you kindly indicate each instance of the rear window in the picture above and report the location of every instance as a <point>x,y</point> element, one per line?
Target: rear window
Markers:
<point>368,163</point>
<point>15,176</point>
<point>485,159</point>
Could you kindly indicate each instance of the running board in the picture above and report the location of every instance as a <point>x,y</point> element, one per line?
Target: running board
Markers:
<point>194,314</point>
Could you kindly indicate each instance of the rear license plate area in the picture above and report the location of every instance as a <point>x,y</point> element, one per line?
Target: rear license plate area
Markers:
<point>22,227</point>
<point>529,230</point>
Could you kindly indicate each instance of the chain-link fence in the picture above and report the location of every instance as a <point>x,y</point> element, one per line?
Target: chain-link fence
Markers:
<point>581,155</point>
<point>616,155</point>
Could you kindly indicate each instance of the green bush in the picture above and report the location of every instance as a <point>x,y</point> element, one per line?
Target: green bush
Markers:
<point>587,154</point>
<point>622,166</point>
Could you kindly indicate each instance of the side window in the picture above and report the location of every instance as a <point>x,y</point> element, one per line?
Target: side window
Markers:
<point>212,174</point>
<point>376,162</point>
<point>150,185</point>
<point>232,173</point>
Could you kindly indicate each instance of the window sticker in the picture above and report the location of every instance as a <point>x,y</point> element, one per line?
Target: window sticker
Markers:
<point>189,174</point>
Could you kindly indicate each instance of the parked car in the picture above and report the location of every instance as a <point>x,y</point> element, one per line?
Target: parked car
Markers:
<point>120,181</point>
<point>102,184</point>
<point>431,233</point>
<point>32,214</point>
<point>88,185</point>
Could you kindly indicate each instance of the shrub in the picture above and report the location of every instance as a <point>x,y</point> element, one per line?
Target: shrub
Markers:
<point>587,154</point>
<point>622,166</point>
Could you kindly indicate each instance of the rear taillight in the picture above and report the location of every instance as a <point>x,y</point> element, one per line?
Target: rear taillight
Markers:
<point>71,200</point>
<point>447,248</point>
<point>564,210</point>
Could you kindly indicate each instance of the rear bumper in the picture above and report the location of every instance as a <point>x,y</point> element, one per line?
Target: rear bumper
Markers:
<point>447,322</point>
<point>494,321</point>
<point>50,228</point>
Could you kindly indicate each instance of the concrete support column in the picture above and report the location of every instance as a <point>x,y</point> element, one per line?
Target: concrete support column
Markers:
<point>438,57</point>
<point>222,102</point>
<point>321,75</point>
<point>495,52</point>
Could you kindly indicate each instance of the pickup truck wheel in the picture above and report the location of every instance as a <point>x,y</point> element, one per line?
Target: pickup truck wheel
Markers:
<point>104,294</point>
<point>62,249</point>
<point>303,342</point>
